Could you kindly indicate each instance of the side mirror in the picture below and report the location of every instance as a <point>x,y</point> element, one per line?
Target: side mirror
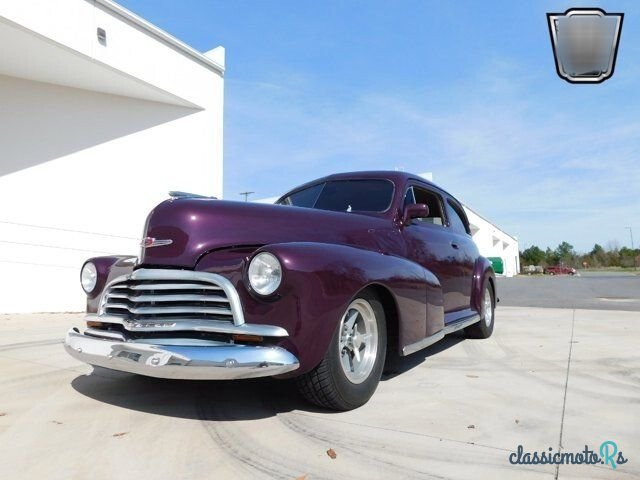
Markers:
<point>415,210</point>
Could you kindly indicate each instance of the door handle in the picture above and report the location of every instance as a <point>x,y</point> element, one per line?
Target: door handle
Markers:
<point>455,245</point>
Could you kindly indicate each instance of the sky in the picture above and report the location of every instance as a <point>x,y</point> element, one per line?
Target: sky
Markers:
<point>466,90</point>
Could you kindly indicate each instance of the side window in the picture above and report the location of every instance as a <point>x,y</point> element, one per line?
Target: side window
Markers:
<point>432,201</point>
<point>304,198</point>
<point>457,219</point>
<point>409,199</point>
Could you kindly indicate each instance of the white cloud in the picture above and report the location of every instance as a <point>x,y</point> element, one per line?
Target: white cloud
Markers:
<point>536,165</point>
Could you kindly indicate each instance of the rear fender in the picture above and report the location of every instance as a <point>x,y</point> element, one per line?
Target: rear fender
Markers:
<point>483,274</point>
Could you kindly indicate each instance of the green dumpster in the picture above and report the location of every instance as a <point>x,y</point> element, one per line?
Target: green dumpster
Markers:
<point>497,263</point>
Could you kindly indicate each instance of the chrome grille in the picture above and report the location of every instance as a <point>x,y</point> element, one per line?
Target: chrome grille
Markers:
<point>159,295</point>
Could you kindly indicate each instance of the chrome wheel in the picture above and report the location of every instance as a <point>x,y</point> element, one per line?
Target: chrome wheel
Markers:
<point>488,308</point>
<point>358,346</point>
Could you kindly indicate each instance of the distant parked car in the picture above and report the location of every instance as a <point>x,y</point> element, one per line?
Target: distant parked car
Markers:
<point>559,270</point>
<point>532,269</point>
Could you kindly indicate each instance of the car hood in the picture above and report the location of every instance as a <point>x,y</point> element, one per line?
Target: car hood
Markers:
<point>196,226</point>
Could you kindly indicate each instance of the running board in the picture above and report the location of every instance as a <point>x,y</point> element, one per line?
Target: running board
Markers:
<point>420,344</point>
<point>460,324</point>
<point>431,339</point>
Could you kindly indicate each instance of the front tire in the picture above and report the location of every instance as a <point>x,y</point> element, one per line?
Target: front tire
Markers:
<point>349,373</point>
<point>484,328</point>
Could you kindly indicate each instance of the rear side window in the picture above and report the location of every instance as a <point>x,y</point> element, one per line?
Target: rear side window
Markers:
<point>432,201</point>
<point>457,219</point>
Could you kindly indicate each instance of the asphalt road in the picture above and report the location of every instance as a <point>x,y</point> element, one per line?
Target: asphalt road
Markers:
<point>597,291</point>
<point>547,377</point>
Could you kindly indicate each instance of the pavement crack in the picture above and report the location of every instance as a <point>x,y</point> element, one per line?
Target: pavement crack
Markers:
<point>405,432</point>
<point>80,369</point>
<point>566,385</point>
<point>37,343</point>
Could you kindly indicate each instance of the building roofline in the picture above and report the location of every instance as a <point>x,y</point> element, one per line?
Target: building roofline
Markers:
<point>171,98</point>
<point>161,34</point>
<point>490,222</point>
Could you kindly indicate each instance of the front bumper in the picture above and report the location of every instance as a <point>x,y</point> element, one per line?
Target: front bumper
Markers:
<point>186,362</point>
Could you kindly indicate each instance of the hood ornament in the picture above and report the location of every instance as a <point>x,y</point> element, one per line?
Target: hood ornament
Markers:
<point>149,242</point>
<point>174,194</point>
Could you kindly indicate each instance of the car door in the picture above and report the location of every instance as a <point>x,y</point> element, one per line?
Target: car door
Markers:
<point>466,253</point>
<point>429,240</point>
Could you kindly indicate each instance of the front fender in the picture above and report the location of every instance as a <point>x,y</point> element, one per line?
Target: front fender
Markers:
<point>107,268</point>
<point>322,279</point>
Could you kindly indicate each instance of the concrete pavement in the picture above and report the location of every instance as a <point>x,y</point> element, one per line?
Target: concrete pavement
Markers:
<point>457,410</point>
<point>588,290</point>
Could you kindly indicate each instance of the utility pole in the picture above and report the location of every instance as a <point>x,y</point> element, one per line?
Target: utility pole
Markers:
<point>246,195</point>
<point>633,252</point>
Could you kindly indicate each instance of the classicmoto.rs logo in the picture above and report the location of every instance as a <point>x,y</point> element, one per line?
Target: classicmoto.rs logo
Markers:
<point>607,454</point>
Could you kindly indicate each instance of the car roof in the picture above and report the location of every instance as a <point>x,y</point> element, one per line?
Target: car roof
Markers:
<point>397,177</point>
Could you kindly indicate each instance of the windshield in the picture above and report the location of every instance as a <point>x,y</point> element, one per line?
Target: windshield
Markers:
<point>344,196</point>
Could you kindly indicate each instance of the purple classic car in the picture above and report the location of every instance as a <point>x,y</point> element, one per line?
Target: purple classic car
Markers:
<point>340,274</point>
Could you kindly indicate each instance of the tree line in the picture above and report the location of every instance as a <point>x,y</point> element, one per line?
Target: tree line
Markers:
<point>565,254</point>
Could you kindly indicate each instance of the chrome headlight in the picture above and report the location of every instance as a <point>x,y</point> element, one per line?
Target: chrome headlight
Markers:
<point>265,273</point>
<point>88,277</point>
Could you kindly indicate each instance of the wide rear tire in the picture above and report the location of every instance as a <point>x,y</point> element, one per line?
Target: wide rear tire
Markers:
<point>484,328</point>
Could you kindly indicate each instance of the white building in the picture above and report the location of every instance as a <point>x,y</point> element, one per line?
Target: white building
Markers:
<point>101,113</point>
<point>494,244</point>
